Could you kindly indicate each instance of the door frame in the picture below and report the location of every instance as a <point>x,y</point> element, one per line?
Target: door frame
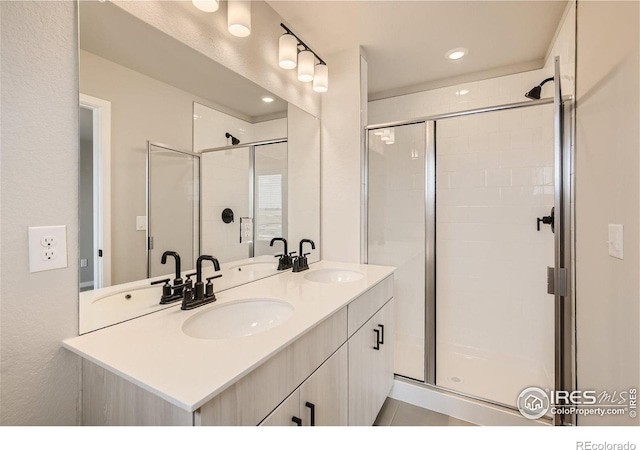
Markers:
<point>101,110</point>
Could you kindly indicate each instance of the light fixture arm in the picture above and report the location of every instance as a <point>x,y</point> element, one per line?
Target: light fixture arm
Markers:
<point>301,42</point>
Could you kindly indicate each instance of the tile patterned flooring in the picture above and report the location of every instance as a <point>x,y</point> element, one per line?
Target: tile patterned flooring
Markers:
<point>397,413</point>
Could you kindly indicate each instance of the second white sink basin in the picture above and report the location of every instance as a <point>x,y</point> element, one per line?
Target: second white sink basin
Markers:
<point>238,319</point>
<point>334,276</point>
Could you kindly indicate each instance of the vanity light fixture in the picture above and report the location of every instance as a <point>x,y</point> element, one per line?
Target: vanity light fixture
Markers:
<point>456,53</point>
<point>206,5</point>
<point>305,66</point>
<point>292,52</point>
<point>288,51</point>
<point>321,78</point>
<point>239,18</point>
<point>268,99</point>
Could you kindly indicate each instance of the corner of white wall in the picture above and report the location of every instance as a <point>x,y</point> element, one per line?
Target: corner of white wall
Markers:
<point>341,158</point>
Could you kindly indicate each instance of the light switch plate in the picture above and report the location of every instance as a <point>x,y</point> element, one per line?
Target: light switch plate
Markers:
<point>616,240</point>
<point>47,248</point>
<point>141,223</point>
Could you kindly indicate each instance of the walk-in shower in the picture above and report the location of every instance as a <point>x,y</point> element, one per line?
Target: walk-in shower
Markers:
<point>457,202</point>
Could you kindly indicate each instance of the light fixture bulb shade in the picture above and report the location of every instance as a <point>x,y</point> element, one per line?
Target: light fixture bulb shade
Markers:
<point>239,18</point>
<point>206,5</point>
<point>321,78</point>
<point>386,134</point>
<point>306,65</point>
<point>288,51</point>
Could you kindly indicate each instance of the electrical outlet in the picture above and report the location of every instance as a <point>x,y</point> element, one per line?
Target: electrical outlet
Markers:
<point>49,254</point>
<point>48,241</point>
<point>47,248</point>
<point>84,262</point>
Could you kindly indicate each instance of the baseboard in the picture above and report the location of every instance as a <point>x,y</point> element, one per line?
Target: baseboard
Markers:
<point>458,406</point>
<point>86,284</point>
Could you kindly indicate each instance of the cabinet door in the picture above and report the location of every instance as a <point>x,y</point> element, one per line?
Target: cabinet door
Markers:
<point>286,414</point>
<point>323,397</point>
<point>371,366</point>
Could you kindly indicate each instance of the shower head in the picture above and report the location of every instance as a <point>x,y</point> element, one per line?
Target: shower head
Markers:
<point>234,140</point>
<point>535,92</point>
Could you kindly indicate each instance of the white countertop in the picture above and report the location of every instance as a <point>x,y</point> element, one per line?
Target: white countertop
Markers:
<point>152,351</point>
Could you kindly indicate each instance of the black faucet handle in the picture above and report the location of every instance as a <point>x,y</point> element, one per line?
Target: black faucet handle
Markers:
<point>213,278</point>
<point>189,275</point>
<point>279,256</point>
<point>166,280</point>
<point>292,253</point>
<point>306,254</point>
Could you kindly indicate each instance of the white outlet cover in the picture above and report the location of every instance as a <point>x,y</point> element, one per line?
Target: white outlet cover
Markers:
<point>47,257</point>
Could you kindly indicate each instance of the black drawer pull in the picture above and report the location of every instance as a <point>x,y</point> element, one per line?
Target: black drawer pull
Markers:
<point>377,346</point>
<point>297,421</point>
<point>381,333</point>
<point>312,407</point>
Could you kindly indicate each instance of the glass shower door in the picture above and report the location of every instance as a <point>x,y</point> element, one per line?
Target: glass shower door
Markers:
<point>396,233</point>
<point>173,207</point>
<point>495,320</point>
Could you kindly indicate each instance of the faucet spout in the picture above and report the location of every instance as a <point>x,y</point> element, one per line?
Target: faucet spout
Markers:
<point>313,246</point>
<point>284,241</point>
<point>176,257</point>
<point>213,259</point>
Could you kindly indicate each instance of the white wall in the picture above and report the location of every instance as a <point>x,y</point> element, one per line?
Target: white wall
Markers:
<point>39,382</point>
<point>341,158</point>
<point>607,191</point>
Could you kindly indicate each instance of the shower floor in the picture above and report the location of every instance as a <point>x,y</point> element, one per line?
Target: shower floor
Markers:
<point>494,377</point>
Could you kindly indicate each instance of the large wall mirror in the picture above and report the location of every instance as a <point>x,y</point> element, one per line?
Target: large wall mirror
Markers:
<point>179,153</point>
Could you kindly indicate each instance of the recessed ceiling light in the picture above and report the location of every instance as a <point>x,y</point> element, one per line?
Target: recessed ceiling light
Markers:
<point>268,99</point>
<point>456,53</point>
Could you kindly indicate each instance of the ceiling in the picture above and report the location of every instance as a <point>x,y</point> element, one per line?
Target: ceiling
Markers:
<point>110,32</point>
<point>405,41</point>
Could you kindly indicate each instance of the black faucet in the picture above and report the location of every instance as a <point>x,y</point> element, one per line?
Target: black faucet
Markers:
<point>286,259</point>
<point>170,293</point>
<point>300,263</point>
<point>201,294</point>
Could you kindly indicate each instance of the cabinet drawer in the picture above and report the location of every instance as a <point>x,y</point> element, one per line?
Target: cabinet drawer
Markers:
<point>253,397</point>
<point>364,307</point>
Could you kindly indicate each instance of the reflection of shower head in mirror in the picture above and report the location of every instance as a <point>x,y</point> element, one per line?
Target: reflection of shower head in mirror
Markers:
<point>234,140</point>
<point>537,90</point>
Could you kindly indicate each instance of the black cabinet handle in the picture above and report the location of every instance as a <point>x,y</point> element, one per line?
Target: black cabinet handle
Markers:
<point>297,421</point>
<point>381,333</point>
<point>312,407</point>
<point>377,346</point>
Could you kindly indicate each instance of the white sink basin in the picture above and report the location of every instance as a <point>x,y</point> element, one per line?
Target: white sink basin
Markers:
<point>238,319</point>
<point>334,276</point>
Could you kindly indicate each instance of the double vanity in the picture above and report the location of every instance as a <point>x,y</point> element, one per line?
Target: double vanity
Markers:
<point>297,348</point>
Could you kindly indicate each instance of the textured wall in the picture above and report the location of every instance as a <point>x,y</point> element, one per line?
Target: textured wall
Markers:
<point>39,381</point>
<point>607,191</point>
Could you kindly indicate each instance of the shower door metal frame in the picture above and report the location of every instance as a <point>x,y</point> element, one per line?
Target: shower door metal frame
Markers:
<point>149,238</point>
<point>564,314</point>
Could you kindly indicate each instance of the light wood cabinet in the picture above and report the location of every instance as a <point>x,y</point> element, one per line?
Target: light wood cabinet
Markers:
<point>371,366</point>
<point>320,401</point>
